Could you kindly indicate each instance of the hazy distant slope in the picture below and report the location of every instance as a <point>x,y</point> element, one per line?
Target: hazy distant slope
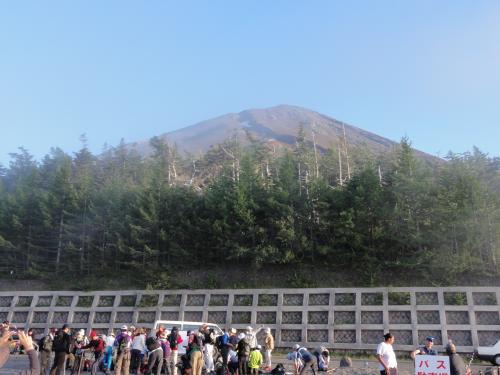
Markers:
<point>278,124</point>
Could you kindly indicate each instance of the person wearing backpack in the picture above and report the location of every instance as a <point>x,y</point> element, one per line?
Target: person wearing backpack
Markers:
<point>60,347</point>
<point>223,345</point>
<point>243,350</point>
<point>155,355</point>
<point>45,346</point>
<point>123,342</point>
<point>174,340</point>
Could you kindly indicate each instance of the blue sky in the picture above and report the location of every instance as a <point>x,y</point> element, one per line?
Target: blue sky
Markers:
<point>133,69</point>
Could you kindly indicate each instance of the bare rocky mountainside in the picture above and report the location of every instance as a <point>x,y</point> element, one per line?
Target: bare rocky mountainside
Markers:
<point>277,126</point>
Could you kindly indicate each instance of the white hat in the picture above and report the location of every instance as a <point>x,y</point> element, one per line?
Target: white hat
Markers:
<point>268,330</point>
<point>81,332</point>
<point>259,347</point>
<point>296,346</point>
<point>124,327</point>
<point>249,328</point>
<point>241,336</point>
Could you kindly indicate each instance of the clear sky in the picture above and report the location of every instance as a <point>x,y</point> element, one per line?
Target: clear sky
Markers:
<point>134,69</point>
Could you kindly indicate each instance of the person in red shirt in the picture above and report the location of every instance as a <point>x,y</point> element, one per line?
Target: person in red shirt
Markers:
<point>97,344</point>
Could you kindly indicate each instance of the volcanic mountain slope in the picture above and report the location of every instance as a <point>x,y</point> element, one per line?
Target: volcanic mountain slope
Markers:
<point>278,125</point>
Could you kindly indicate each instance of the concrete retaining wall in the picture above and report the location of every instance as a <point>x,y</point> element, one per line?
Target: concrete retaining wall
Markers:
<point>336,317</point>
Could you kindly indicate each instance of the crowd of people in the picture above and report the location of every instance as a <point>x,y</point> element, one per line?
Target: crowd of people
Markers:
<point>139,350</point>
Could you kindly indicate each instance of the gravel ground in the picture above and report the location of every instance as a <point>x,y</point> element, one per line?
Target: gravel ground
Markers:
<point>360,367</point>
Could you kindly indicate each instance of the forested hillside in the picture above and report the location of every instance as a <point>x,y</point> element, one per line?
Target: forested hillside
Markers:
<point>371,218</point>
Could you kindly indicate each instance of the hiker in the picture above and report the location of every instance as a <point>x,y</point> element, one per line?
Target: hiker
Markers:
<point>195,347</point>
<point>123,343</point>
<point>138,349</point>
<point>208,348</point>
<point>45,351</point>
<point>322,358</point>
<point>243,350</point>
<point>108,356</point>
<point>306,358</point>
<point>174,340</point>
<point>78,354</point>
<point>223,345</point>
<point>269,347</point>
<point>457,365</point>
<point>60,346</point>
<point>155,355</point>
<point>97,345</point>
<point>255,360</point>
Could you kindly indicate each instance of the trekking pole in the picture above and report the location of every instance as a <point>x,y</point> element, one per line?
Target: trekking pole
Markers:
<point>468,369</point>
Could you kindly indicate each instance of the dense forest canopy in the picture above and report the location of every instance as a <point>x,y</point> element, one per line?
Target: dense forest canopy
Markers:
<point>118,213</point>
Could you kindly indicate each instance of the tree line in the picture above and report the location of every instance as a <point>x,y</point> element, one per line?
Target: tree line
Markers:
<point>122,213</point>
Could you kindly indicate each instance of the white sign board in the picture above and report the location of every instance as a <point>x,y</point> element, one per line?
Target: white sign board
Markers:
<point>432,365</point>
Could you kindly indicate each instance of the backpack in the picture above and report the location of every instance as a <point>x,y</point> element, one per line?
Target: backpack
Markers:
<point>58,343</point>
<point>222,341</point>
<point>243,348</point>
<point>278,370</point>
<point>123,345</point>
<point>152,343</point>
<point>45,343</point>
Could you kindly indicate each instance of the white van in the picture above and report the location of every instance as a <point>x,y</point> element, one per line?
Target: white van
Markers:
<point>183,328</point>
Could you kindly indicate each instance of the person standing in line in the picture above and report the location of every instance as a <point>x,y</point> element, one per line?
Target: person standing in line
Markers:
<point>386,356</point>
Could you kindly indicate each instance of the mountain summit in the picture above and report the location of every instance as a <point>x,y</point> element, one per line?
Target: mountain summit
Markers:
<point>278,125</point>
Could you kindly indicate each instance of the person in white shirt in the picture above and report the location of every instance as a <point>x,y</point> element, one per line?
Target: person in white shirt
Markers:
<point>386,356</point>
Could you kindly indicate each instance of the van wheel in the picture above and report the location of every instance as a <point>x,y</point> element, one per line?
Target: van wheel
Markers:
<point>496,360</point>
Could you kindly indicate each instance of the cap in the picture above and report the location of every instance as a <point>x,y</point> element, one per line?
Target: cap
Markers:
<point>249,328</point>
<point>124,327</point>
<point>429,338</point>
<point>241,336</point>
<point>268,330</point>
<point>259,347</point>
<point>296,346</point>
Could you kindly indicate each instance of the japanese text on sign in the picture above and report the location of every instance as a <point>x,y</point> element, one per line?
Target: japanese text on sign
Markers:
<point>432,365</point>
